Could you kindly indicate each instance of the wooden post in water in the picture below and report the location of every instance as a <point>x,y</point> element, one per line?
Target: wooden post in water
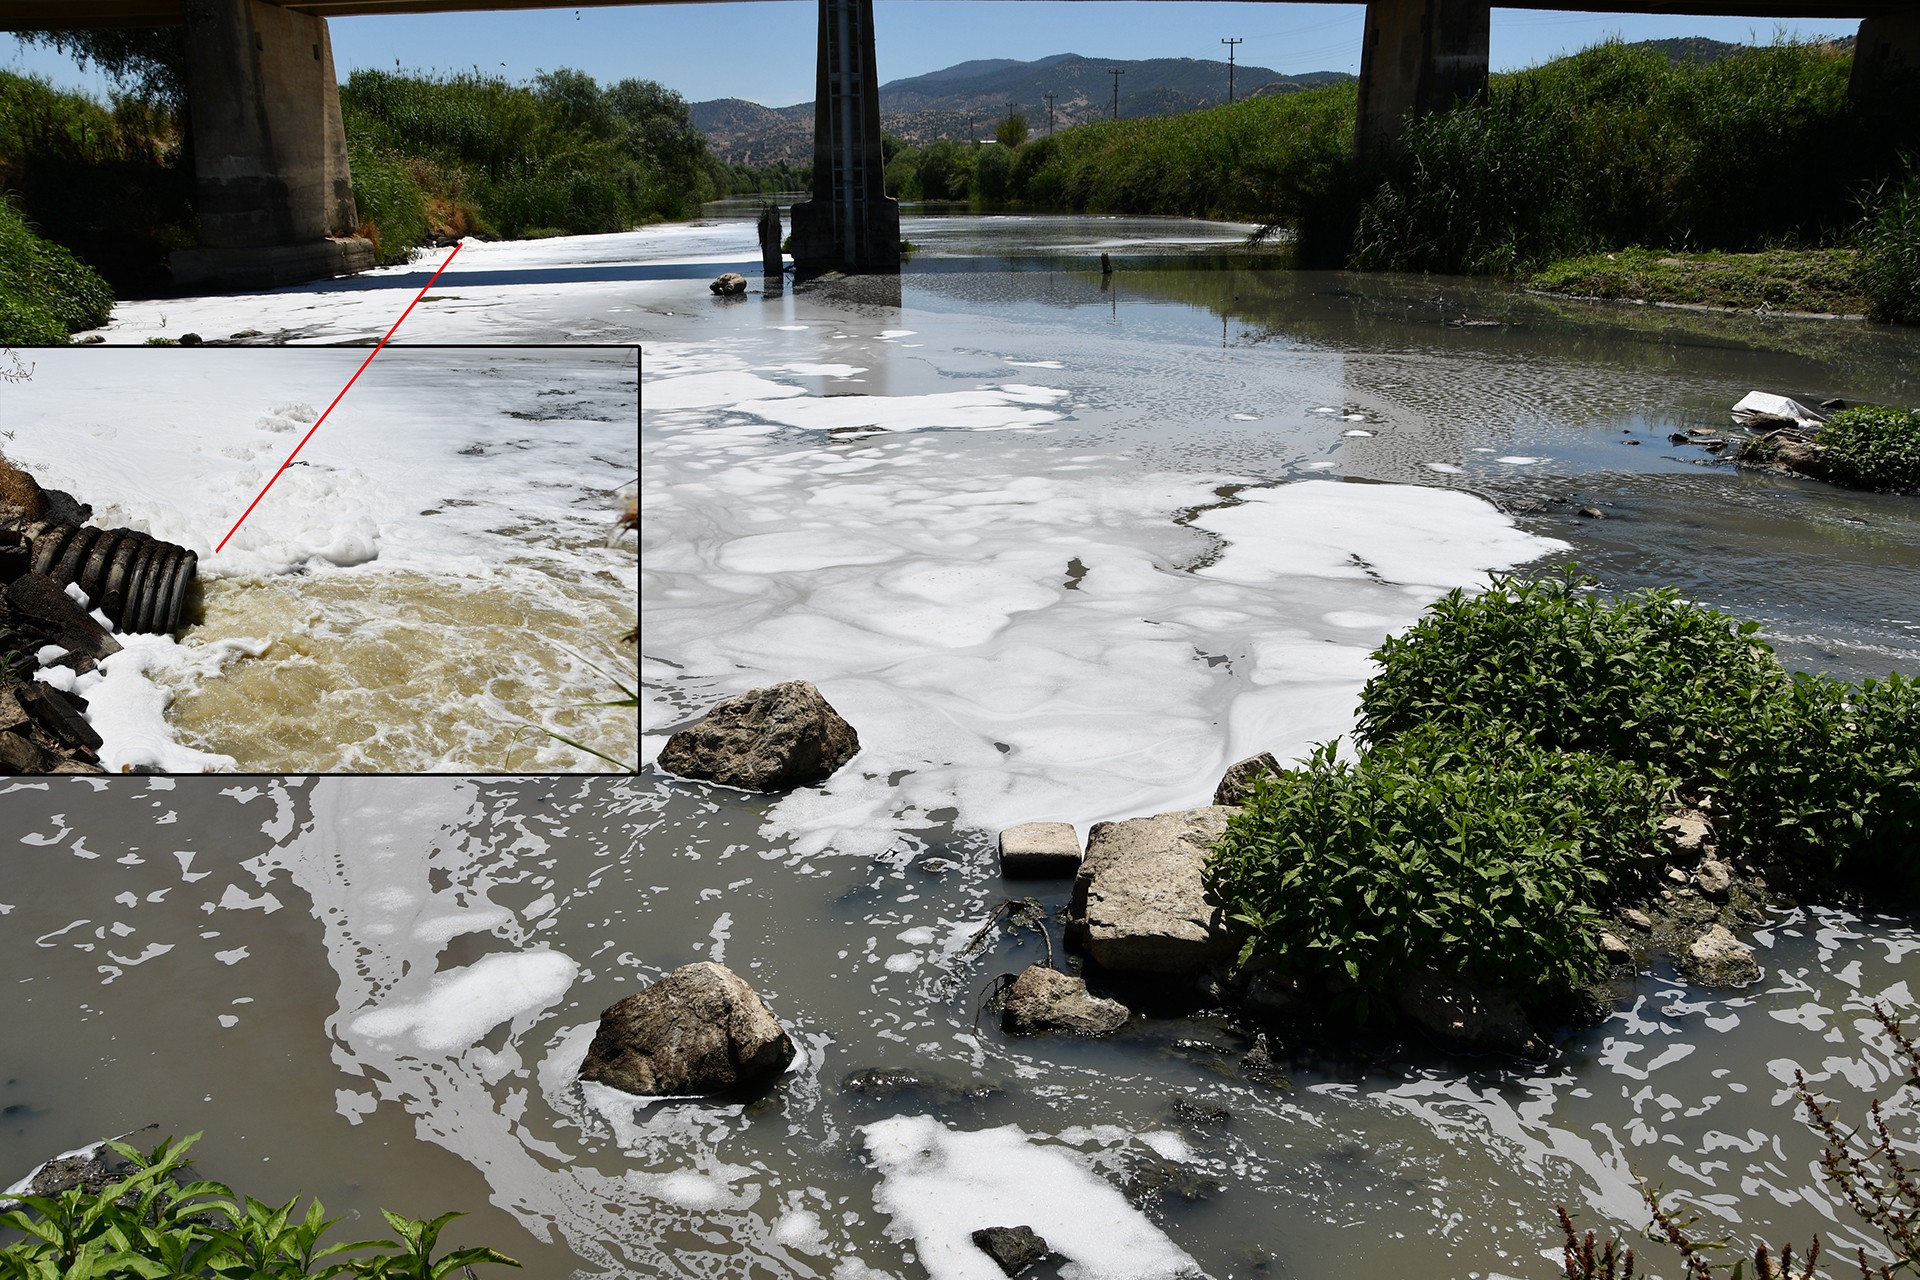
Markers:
<point>770,264</point>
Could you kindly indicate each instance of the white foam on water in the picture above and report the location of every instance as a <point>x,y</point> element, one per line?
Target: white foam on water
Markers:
<point>927,597</point>
<point>462,1006</point>
<point>938,1185</point>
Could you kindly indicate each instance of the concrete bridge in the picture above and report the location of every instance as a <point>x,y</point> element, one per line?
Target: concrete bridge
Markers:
<point>275,198</point>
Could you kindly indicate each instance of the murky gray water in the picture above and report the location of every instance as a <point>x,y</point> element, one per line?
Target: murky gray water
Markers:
<point>969,507</point>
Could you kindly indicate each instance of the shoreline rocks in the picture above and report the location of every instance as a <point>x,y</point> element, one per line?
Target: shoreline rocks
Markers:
<point>1044,1000</point>
<point>699,1030</point>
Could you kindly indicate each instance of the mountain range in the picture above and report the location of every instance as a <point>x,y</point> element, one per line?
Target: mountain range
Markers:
<point>971,98</point>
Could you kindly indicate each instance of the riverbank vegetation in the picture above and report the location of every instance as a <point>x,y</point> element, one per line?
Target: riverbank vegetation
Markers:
<point>152,1217</point>
<point>1517,751</point>
<point>1763,152</point>
<point>1864,447</point>
<point>433,157</point>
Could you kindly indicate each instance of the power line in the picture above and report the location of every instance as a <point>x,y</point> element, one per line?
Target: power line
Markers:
<point>1116,73</point>
<point>1230,43</point>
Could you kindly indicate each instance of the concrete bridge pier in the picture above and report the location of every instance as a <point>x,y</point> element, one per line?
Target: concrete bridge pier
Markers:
<point>274,197</point>
<point>1417,56</point>
<point>1885,54</point>
<point>850,224</point>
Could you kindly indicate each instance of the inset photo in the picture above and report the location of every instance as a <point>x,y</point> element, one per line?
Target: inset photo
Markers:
<point>228,559</point>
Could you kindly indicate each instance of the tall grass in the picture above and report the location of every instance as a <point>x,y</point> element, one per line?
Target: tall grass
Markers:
<point>111,181</point>
<point>444,155</point>
<point>1890,248</point>
<point>1617,146</point>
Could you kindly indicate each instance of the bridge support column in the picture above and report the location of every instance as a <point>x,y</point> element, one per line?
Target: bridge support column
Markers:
<point>850,224</point>
<point>274,197</point>
<point>1417,56</point>
<point>1886,54</point>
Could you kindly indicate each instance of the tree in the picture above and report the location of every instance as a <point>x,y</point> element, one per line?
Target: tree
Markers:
<point>1012,131</point>
<point>147,62</point>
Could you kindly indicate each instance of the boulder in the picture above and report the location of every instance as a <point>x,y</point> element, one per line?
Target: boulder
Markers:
<point>1718,959</point>
<point>699,1030</point>
<point>771,739</point>
<point>35,602</point>
<point>1688,831</point>
<point>1615,948</point>
<point>1713,878</point>
<point>1039,850</point>
<point>1014,1248</point>
<point>1637,918</point>
<point>1236,784</point>
<point>1044,999</point>
<point>1465,1014</point>
<point>1139,905</point>
<point>22,756</point>
<point>729,283</point>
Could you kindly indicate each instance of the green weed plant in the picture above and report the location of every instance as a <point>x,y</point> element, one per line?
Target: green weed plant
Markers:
<point>153,1225</point>
<point>1486,855</point>
<point>1646,677</point>
<point>1872,447</point>
<point>45,292</point>
<point>1890,248</point>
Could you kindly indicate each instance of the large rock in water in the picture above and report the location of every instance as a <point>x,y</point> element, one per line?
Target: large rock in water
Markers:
<point>700,1029</point>
<point>768,739</point>
<point>1138,902</point>
<point>1044,999</point>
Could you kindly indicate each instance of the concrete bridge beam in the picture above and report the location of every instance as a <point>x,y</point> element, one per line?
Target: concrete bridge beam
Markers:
<point>274,197</point>
<point>850,224</point>
<point>1417,56</point>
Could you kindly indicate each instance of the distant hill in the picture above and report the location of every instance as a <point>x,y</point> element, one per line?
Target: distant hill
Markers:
<point>971,98</point>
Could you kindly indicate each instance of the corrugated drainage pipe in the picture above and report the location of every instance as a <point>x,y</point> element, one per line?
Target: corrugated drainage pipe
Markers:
<point>139,582</point>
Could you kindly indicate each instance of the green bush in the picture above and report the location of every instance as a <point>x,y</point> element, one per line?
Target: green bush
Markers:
<point>152,1224</point>
<point>1870,447</point>
<point>45,292</point>
<point>1826,785</point>
<point>1646,677</point>
<point>1890,250</point>
<point>1483,855</point>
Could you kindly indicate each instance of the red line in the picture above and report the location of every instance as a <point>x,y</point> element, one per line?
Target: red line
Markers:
<point>336,400</point>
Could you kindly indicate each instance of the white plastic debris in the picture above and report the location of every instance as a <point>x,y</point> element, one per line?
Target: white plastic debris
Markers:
<point>1760,404</point>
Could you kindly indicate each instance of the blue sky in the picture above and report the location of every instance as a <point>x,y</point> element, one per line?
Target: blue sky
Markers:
<point>763,50</point>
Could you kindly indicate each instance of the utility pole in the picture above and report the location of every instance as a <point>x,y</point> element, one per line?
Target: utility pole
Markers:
<point>1230,47</point>
<point>973,134</point>
<point>1116,73</point>
<point>1050,96</point>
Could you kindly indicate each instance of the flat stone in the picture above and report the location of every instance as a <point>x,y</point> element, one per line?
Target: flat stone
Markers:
<point>1687,831</point>
<point>1236,784</point>
<point>1139,903</point>
<point>699,1030</point>
<point>1718,959</point>
<point>1614,947</point>
<point>1637,918</point>
<point>1039,850</point>
<point>56,712</point>
<point>38,598</point>
<point>1045,1000</point>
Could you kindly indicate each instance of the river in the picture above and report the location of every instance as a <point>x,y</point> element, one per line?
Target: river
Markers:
<point>1060,547</point>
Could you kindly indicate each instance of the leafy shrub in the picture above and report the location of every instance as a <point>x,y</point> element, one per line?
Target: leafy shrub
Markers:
<point>149,1223</point>
<point>1870,447</point>
<point>45,292</point>
<point>1890,250</point>
<point>1826,784</point>
<point>1645,677</point>
<point>391,203</point>
<point>1482,855</point>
